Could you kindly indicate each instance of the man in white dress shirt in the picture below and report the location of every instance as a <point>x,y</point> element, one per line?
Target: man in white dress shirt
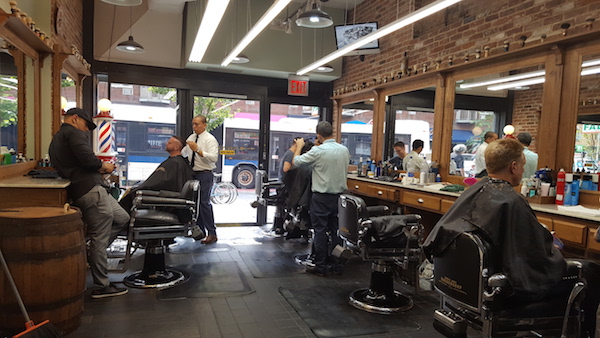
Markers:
<point>202,150</point>
<point>413,162</point>
<point>488,138</point>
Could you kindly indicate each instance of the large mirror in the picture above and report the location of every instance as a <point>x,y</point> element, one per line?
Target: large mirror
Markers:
<point>357,129</point>
<point>483,105</point>
<point>9,105</point>
<point>411,118</point>
<point>587,138</point>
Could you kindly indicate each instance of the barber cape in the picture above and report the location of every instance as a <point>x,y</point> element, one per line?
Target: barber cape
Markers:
<point>494,210</point>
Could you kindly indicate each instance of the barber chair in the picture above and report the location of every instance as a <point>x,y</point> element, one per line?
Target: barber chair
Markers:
<point>391,242</point>
<point>157,217</point>
<point>472,293</point>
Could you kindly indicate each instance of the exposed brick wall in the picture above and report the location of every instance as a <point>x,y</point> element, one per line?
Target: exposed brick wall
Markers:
<point>72,34</point>
<point>458,31</point>
<point>526,112</point>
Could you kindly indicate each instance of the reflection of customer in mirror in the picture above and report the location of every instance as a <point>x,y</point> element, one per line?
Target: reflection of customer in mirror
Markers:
<point>413,162</point>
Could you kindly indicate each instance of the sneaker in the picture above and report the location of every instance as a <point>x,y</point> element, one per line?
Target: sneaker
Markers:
<point>108,291</point>
<point>317,270</point>
<point>306,260</point>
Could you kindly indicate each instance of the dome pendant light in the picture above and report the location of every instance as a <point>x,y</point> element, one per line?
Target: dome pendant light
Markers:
<point>241,58</point>
<point>314,18</point>
<point>124,2</point>
<point>130,45</point>
<point>324,69</point>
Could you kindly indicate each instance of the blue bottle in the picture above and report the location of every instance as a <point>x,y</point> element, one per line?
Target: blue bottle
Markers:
<point>574,200</point>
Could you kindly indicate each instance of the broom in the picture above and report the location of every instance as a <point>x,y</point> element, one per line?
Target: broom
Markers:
<point>41,330</point>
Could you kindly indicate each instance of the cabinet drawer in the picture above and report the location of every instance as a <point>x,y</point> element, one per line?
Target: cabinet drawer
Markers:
<point>420,200</point>
<point>567,231</point>
<point>547,221</point>
<point>445,205</point>
<point>372,190</point>
<point>591,243</point>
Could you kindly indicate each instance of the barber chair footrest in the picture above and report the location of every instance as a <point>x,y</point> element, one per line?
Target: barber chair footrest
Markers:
<point>365,299</point>
<point>159,279</point>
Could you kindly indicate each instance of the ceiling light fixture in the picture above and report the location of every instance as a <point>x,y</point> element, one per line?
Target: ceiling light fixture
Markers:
<point>315,17</point>
<point>387,29</point>
<point>215,9</point>
<point>130,45</point>
<point>269,15</point>
<point>324,69</point>
<point>503,79</point>
<point>124,2</point>
<point>526,82</point>
<point>242,58</point>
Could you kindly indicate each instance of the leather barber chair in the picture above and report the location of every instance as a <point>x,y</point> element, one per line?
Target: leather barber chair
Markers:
<point>157,217</point>
<point>471,294</point>
<point>391,242</point>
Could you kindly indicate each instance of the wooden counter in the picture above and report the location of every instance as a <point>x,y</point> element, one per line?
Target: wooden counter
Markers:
<point>575,229</point>
<point>19,190</point>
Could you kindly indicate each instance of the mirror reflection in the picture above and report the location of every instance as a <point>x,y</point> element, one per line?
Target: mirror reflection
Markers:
<point>482,106</point>
<point>357,130</point>
<point>413,116</point>
<point>68,92</point>
<point>587,138</point>
<point>9,135</point>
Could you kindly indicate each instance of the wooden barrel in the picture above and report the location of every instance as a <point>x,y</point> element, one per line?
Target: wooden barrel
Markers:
<point>45,251</point>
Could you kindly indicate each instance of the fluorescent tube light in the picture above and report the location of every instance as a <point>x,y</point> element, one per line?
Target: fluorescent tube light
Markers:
<point>387,29</point>
<point>590,63</point>
<point>526,82</point>
<point>215,9</point>
<point>269,15</point>
<point>503,79</point>
<point>591,70</point>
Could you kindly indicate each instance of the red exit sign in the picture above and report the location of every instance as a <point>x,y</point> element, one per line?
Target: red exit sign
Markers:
<point>298,85</point>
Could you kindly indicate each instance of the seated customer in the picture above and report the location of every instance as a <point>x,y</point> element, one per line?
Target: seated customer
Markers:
<point>494,209</point>
<point>170,175</point>
<point>297,183</point>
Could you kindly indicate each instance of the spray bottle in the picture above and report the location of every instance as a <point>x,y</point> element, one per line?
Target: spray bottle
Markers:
<point>560,187</point>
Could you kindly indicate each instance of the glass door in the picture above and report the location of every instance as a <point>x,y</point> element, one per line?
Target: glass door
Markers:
<point>235,124</point>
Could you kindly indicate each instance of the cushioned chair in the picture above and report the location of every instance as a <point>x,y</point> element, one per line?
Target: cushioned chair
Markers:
<point>391,242</point>
<point>472,293</point>
<point>157,217</point>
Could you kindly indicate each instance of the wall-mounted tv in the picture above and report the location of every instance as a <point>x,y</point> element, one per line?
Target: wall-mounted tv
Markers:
<point>347,34</point>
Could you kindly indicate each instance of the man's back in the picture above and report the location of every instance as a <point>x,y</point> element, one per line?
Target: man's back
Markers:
<point>531,166</point>
<point>329,162</point>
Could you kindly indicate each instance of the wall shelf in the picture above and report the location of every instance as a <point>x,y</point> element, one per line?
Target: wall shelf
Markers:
<point>18,34</point>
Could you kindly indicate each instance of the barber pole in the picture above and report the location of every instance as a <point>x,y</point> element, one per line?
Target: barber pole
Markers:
<point>104,140</point>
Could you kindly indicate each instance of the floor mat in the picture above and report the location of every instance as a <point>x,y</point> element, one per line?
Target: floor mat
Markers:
<point>185,245</point>
<point>269,264</point>
<point>326,311</point>
<point>223,279</point>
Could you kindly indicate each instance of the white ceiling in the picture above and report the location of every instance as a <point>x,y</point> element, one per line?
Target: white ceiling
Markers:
<point>158,26</point>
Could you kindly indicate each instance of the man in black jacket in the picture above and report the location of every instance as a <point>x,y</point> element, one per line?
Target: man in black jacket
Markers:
<point>74,159</point>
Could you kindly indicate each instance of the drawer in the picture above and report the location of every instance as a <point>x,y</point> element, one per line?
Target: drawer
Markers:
<point>420,200</point>
<point>568,231</point>
<point>547,221</point>
<point>591,243</point>
<point>445,205</point>
<point>372,190</point>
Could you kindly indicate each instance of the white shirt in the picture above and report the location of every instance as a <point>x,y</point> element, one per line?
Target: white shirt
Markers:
<point>480,158</point>
<point>210,151</point>
<point>415,163</point>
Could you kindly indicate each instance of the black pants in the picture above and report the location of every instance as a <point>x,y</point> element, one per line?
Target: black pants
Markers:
<point>324,218</point>
<point>206,218</point>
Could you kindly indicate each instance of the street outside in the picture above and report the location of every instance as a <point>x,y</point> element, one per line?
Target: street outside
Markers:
<point>240,211</point>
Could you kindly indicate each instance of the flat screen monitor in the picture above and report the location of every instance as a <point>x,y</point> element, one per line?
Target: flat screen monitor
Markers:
<point>347,34</point>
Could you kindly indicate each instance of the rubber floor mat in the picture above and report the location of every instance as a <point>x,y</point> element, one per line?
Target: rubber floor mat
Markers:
<point>222,279</point>
<point>185,245</point>
<point>326,311</point>
<point>269,264</point>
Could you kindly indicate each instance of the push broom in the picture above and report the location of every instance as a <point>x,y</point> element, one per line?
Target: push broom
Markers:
<point>41,330</point>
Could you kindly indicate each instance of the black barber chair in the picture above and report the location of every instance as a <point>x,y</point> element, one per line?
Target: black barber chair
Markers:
<point>391,242</point>
<point>471,292</point>
<point>264,192</point>
<point>157,217</point>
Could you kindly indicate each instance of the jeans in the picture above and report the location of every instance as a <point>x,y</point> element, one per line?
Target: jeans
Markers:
<point>104,218</point>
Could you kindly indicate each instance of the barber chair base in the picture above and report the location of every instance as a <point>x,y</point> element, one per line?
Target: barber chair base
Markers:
<point>367,300</point>
<point>159,279</point>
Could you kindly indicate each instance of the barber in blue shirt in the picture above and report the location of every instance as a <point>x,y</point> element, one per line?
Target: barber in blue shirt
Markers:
<point>329,164</point>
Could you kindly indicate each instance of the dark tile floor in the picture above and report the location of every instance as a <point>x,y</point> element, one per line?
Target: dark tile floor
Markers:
<point>265,312</point>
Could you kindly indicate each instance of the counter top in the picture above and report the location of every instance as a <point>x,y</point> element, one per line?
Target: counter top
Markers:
<point>29,182</point>
<point>434,188</point>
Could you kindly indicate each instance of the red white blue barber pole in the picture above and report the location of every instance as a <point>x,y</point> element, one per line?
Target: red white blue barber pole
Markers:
<point>104,144</point>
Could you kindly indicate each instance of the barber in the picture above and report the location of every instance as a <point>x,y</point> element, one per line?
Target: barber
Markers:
<point>202,150</point>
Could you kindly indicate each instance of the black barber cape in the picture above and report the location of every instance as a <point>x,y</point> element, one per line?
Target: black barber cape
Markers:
<point>298,184</point>
<point>170,175</point>
<point>493,208</point>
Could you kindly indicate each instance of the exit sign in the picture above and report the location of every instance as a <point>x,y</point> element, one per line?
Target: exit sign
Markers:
<point>298,85</point>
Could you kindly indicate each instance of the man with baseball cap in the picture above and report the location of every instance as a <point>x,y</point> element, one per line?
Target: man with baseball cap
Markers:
<point>73,157</point>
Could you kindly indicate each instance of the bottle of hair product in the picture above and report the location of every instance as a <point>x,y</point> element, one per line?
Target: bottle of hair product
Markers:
<point>568,187</point>
<point>595,182</point>
<point>574,200</point>
<point>560,187</point>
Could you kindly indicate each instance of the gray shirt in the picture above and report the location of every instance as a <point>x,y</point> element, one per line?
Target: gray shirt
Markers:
<point>288,156</point>
<point>329,163</point>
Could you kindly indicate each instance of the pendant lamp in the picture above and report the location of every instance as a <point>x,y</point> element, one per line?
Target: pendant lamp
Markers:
<point>130,45</point>
<point>314,18</point>
<point>124,2</point>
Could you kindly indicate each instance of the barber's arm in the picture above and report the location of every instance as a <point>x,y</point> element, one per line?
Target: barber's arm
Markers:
<point>83,152</point>
<point>299,146</point>
<point>212,151</point>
